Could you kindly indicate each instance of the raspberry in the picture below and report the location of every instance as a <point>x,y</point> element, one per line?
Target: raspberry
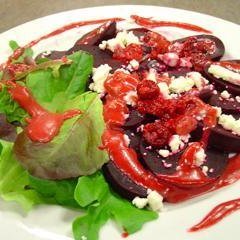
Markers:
<point>158,43</point>
<point>147,89</point>
<point>132,51</point>
<point>156,134</point>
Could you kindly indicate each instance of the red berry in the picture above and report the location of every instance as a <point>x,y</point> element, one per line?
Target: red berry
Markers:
<point>147,89</point>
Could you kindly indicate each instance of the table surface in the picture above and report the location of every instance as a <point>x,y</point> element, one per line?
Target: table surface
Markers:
<point>15,12</point>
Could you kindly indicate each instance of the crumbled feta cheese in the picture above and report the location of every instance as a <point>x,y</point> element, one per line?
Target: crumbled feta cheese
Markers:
<point>164,90</point>
<point>140,202</point>
<point>155,200</point>
<point>230,123</point>
<point>199,80</point>
<point>225,94</point>
<point>181,84</point>
<point>225,74</point>
<point>200,157</point>
<point>164,152</point>
<point>237,98</point>
<point>205,169</point>
<point>185,138</point>
<point>122,40</point>
<point>131,98</point>
<point>152,75</point>
<point>219,111</point>
<point>100,75</point>
<point>134,63</point>
<point>126,139</point>
<point>175,143</point>
<point>103,45</point>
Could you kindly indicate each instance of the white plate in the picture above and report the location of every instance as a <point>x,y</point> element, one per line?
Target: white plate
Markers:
<point>53,222</point>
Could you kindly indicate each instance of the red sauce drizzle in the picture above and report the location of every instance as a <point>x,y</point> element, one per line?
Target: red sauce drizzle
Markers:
<point>125,234</point>
<point>60,30</point>
<point>148,22</point>
<point>217,214</point>
<point>126,158</point>
<point>234,66</point>
<point>43,125</point>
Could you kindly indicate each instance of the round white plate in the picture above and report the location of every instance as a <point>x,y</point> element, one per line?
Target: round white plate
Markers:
<point>53,222</point>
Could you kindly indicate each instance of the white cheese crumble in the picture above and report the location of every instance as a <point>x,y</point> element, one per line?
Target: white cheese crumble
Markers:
<point>134,64</point>
<point>175,143</point>
<point>230,123</point>
<point>200,157</point>
<point>99,76</point>
<point>131,98</point>
<point>122,40</point>
<point>237,98</point>
<point>199,80</point>
<point>140,202</point>
<point>225,94</point>
<point>154,200</point>
<point>164,152</point>
<point>152,75</point>
<point>171,59</point>
<point>219,110</point>
<point>164,90</point>
<point>181,84</point>
<point>225,74</point>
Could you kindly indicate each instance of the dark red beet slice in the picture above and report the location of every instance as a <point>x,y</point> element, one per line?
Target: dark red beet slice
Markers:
<point>139,32</point>
<point>121,183</point>
<point>221,84</point>
<point>153,161</point>
<point>216,161</point>
<point>224,140</point>
<point>230,107</point>
<point>135,119</point>
<point>219,50</point>
<point>219,138</point>
<point>107,33</point>
<point>100,56</point>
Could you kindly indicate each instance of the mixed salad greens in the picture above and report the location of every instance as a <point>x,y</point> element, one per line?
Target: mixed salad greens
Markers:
<point>59,86</point>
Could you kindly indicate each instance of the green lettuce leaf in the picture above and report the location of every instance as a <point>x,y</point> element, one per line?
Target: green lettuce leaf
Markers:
<point>28,52</point>
<point>14,180</point>
<point>55,192</point>
<point>74,151</point>
<point>70,82</point>
<point>10,108</point>
<point>93,192</point>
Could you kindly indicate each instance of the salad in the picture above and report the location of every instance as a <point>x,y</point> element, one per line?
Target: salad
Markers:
<point>120,123</point>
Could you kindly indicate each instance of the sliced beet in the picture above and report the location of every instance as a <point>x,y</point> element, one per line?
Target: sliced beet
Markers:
<point>96,36</point>
<point>227,106</point>
<point>139,32</point>
<point>100,56</point>
<point>52,55</point>
<point>135,119</point>
<point>121,183</point>
<point>220,84</point>
<point>154,162</point>
<point>205,94</point>
<point>224,140</point>
<point>219,49</point>
<point>216,161</point>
